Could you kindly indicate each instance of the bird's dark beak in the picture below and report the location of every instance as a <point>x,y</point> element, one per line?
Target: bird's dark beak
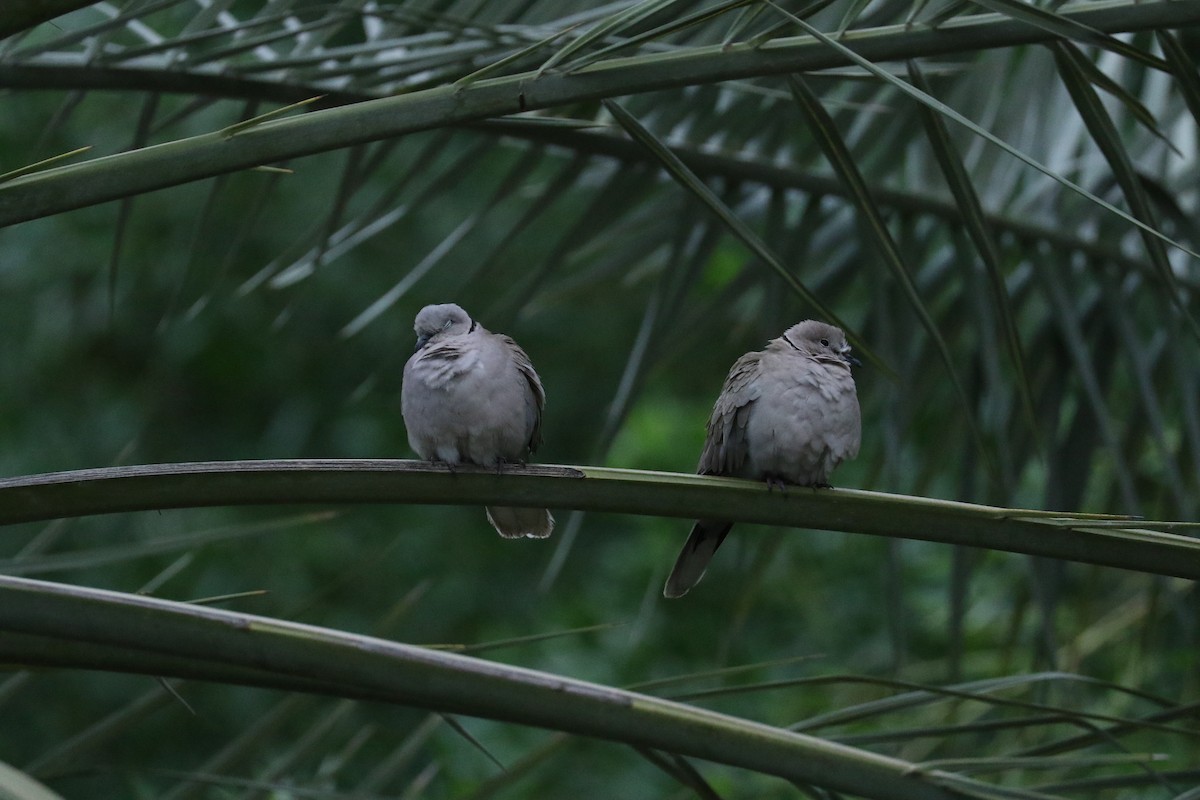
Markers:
<point>421,340</point>
<point>853,360</point>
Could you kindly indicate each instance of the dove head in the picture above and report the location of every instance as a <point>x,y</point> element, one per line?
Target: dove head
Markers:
<point>820,341</point>
<point>435,322</point>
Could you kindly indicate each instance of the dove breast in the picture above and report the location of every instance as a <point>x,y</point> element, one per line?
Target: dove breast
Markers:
<point>804,422</point>
<point>465,400</point>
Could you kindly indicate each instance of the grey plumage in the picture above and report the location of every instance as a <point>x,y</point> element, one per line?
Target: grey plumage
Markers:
<point>787,414</point>
<point>471,396</point>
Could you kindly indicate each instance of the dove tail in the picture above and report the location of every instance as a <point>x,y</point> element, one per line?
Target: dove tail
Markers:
<point>701,546</point>
<point>515,523</point>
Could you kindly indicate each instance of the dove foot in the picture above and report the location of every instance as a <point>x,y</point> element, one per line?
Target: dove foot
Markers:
<point>449,465</point>
<point>501,463</point>
<point>776,482</point>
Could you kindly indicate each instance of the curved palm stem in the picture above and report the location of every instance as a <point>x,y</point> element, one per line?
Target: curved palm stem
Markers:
<point>73,626</point>
<point>1095,539</point>
<point>126,174</point>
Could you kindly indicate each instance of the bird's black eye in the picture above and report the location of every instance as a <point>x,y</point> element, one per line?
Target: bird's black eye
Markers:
<point>825,343</point>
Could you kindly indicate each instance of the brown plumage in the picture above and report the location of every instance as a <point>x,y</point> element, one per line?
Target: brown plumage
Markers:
<point>787,414</point>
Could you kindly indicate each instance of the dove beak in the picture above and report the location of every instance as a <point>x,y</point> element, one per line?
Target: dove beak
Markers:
<point>421,340</point>
<point>852,360</point>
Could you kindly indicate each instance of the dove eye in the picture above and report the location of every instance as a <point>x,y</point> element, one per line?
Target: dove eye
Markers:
<point>825,343</point>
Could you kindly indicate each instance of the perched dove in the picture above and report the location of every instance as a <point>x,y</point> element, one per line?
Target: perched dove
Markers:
<point>471,396</point>
<point>786,415</point>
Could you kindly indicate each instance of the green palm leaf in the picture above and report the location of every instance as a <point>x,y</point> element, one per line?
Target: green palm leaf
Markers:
<point>293,180</point>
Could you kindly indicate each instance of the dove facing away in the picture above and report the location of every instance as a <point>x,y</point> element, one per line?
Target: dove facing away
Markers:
<point>471,396</point>
<point>787,414</point>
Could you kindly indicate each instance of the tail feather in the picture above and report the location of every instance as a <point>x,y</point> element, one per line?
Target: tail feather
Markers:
<point>701,546</point>
<point>515,523</point>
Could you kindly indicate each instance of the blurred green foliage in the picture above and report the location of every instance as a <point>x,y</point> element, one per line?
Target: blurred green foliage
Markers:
<point>194,323</point>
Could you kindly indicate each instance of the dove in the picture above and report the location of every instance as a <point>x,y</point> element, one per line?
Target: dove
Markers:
<point>470,396</point>
<point>787,414</point>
